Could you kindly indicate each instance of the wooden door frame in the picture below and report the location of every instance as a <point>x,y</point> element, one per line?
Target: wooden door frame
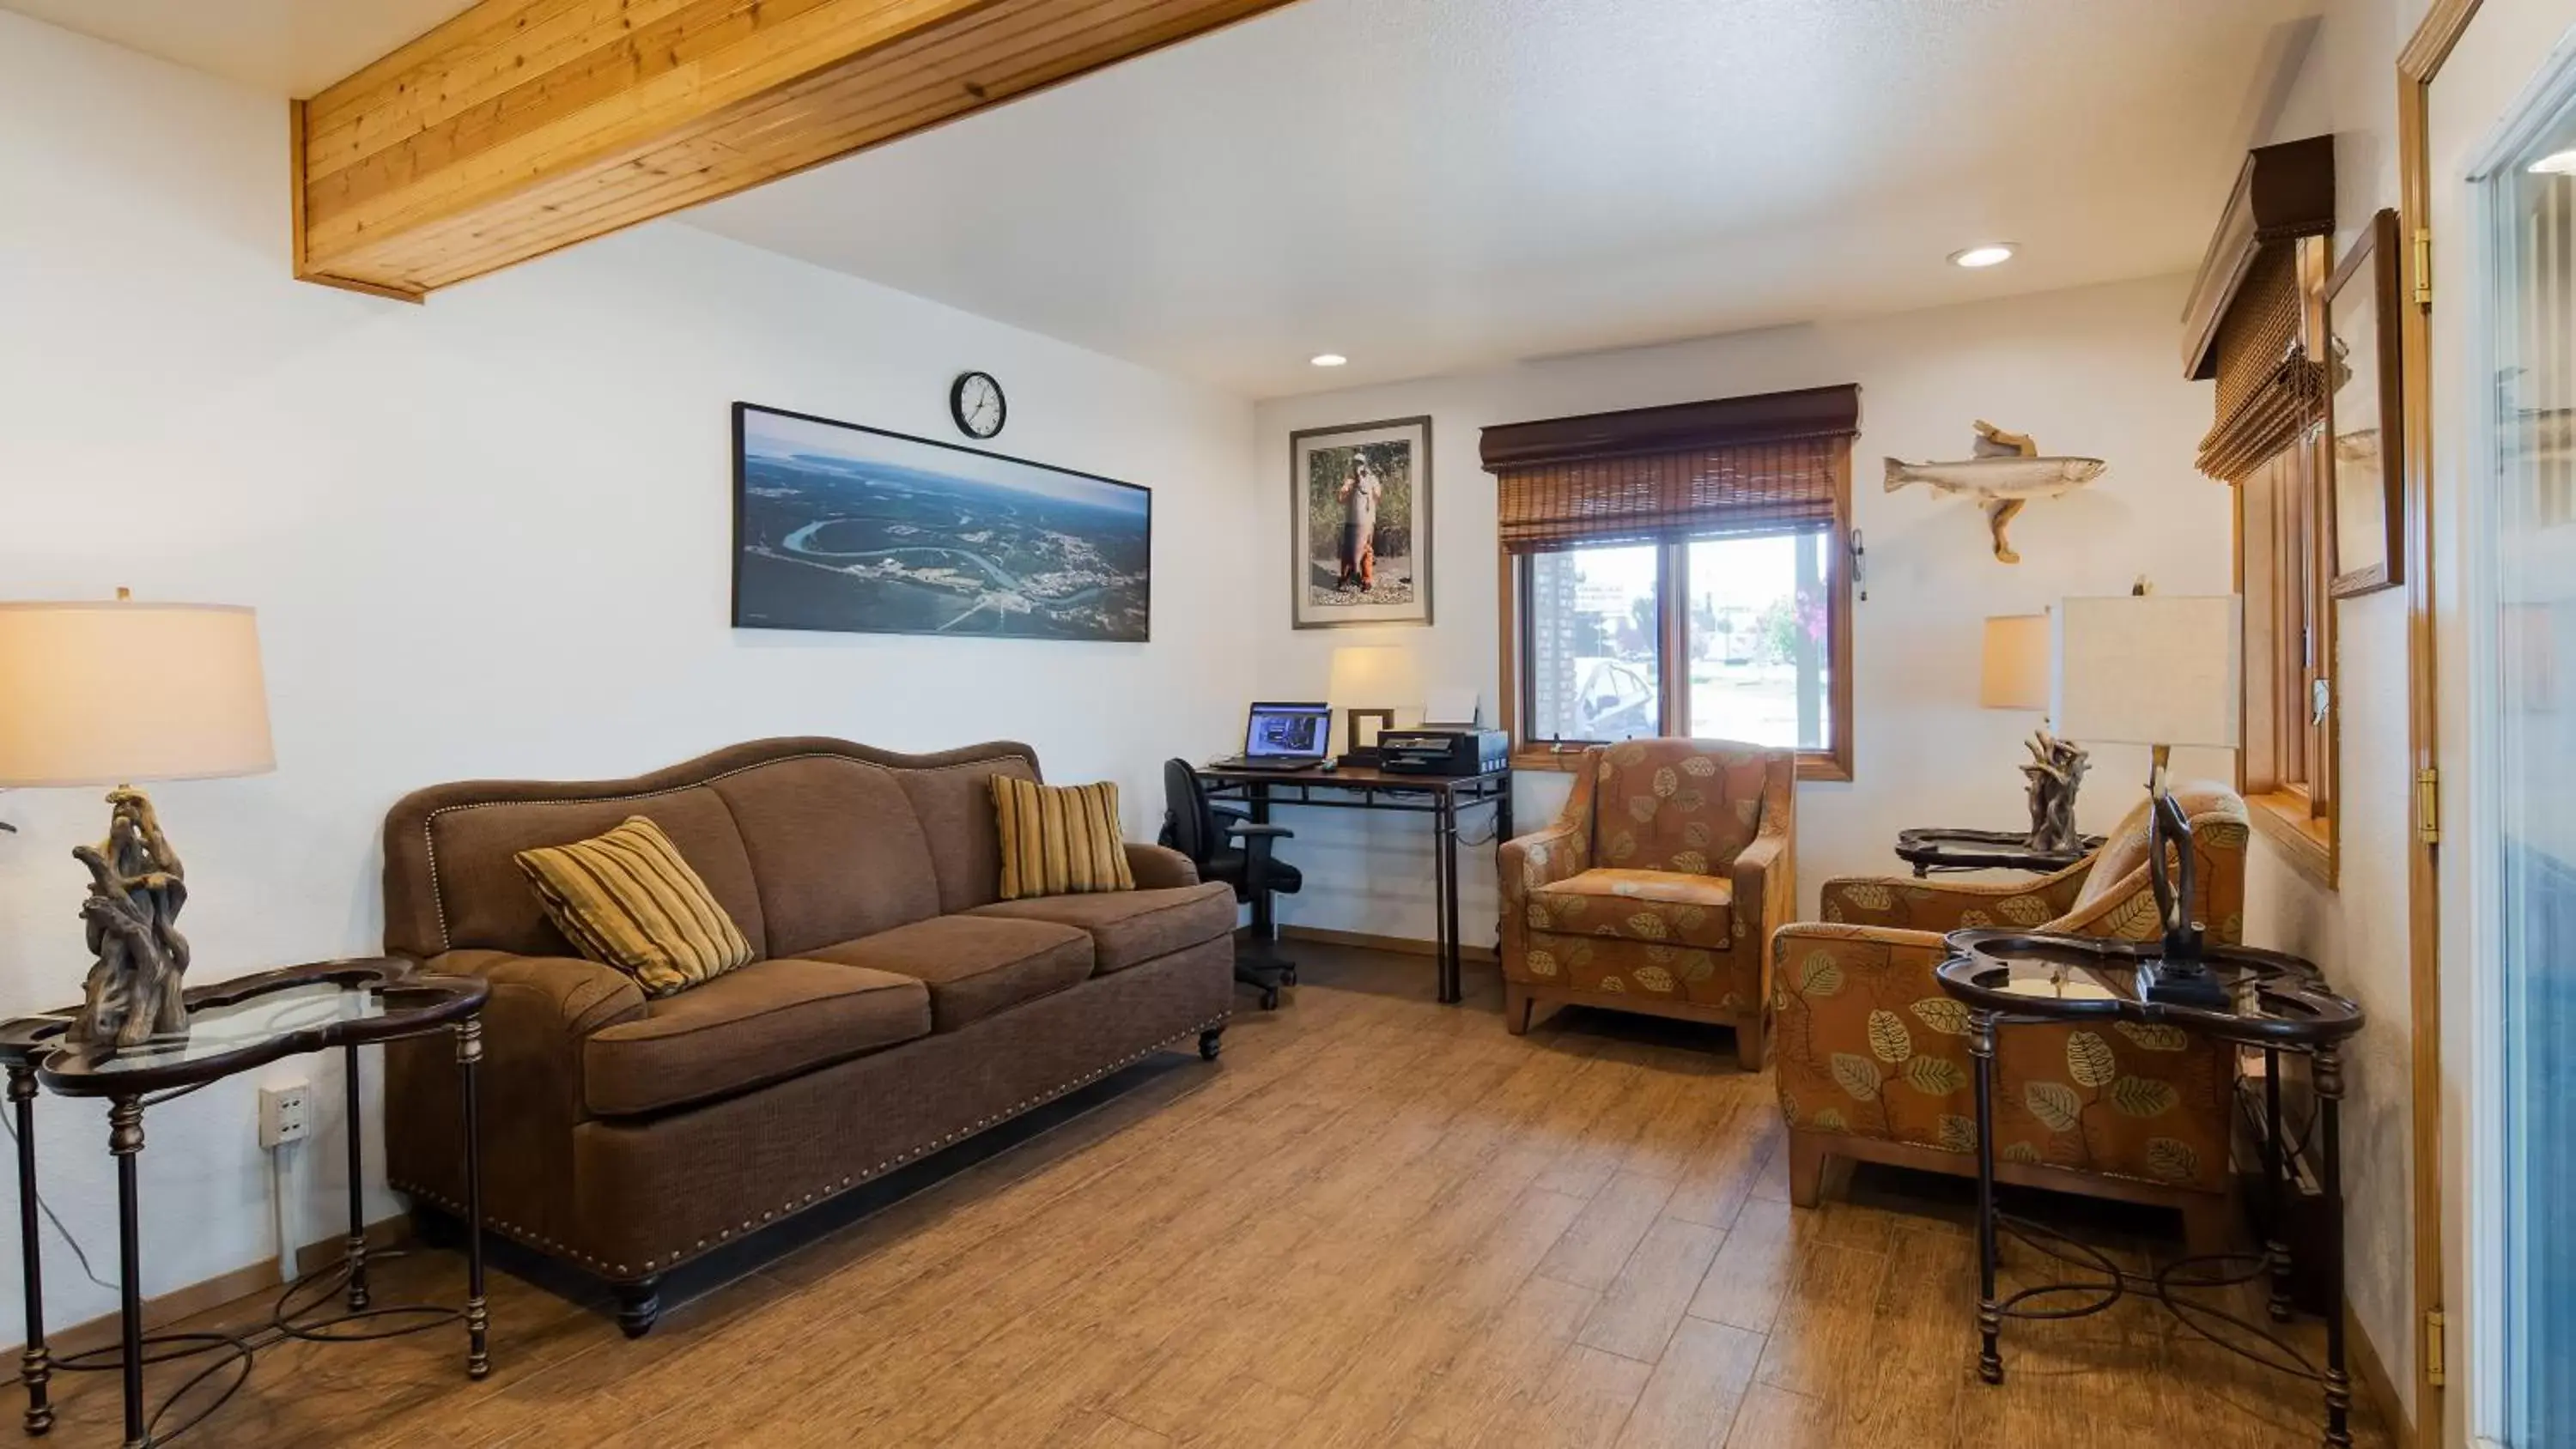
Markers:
<point>2434,39</point>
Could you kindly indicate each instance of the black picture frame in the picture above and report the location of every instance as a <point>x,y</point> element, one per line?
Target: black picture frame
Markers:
<point>745,547</point>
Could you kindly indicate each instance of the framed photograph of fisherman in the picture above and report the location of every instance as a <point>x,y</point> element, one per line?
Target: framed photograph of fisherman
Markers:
<point>1360,524</point>
<point>2362,412</point>
<point>857,530</point>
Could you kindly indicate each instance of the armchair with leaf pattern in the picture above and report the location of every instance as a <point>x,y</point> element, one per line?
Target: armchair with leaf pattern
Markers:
<point>1657,888</point>
<point>1874,1062</point>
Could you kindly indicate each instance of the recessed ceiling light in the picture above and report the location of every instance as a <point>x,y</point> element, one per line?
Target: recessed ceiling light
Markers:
<point>2556,163</point>
<point>1991,254</point>
<point>1328,359</point>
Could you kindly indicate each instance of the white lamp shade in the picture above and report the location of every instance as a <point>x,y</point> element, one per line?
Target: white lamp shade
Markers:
<point>1374,676</point>
<point>2016,673</point>
<point>2151,669</point>
<point>105,694</point>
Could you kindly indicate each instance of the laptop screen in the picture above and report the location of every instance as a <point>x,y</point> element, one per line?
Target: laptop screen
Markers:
<point>1288,731</point>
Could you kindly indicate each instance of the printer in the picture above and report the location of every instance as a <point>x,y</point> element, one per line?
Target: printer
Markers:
<point>1443,750</point>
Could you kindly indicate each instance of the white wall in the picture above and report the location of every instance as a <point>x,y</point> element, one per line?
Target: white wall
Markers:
<point>487,536</point>
<point>2092,371</point>
<point>2347,87</point>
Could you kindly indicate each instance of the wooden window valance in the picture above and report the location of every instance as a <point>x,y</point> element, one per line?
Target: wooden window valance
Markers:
<point>1774,463</point>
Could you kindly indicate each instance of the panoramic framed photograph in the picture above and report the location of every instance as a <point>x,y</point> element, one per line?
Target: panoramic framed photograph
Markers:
<point>1360,534</point>
<point>2363,409</point>
<point>857,530</point>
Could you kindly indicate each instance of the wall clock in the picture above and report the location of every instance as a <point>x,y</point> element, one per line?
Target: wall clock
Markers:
<point>976,401</point>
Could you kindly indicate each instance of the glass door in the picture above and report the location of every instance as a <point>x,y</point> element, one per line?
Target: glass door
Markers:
<point>2520,556</point>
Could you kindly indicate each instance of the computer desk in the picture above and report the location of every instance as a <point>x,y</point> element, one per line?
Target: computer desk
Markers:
<point>1353,787</point>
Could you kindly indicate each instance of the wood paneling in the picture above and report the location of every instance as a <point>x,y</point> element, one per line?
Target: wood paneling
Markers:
<point>1349,1232</point>
<point>523,126</point>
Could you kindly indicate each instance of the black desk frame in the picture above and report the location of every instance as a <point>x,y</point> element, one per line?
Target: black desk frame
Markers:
<point>1445,798</point>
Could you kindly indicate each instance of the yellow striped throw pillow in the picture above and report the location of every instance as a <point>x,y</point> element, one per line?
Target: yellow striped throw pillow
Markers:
<point>1059,840</point>
<point>627,899</point>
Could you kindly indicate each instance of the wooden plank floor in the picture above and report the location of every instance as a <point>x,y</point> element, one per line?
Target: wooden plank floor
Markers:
<point>1379,1221</point>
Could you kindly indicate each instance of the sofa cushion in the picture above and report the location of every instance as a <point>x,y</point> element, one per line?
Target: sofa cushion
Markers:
<point>837,849</point>
<point>1639,905</point>
<point>766,1022</point>
<point>1131,927</point>
<point>482,897</point>
<point>1059,840</point>
<point>629,900</point>
<point>974,966</point>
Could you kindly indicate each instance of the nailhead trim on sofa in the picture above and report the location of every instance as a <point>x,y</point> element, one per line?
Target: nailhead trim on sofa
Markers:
<point>666,1261</point>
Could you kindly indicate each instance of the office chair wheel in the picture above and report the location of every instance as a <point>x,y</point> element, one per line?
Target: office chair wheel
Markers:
<point>1288,975</point>
<point>1270,998</point>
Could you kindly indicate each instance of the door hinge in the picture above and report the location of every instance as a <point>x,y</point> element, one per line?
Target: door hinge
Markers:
<point>2433,1365</point>
<point>2424,267</point>
<point>2428,806</point>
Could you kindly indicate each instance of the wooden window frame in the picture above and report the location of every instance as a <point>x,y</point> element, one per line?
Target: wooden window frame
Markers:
<point>1833,762</point>
<point>2284,569</point>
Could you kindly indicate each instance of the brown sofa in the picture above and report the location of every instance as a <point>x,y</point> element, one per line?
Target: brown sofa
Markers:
<point>894,1006</point>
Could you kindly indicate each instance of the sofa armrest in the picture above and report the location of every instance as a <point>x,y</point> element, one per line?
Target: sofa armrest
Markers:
<point>1765,877</point>
<point>1920,905</point>
<point>540,1011</point>
<point>1159,867</point>
<point>566,994</point>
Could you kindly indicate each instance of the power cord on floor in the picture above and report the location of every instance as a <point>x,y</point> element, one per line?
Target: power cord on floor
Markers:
<point>56,1219</point>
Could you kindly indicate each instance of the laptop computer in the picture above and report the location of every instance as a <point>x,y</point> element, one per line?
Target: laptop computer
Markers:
<point>1284,737</point>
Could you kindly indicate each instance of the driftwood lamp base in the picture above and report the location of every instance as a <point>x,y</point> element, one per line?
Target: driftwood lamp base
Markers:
<point>137,887</point>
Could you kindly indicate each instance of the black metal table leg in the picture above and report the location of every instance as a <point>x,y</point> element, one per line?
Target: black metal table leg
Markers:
<point>1444,835</point>
<point>2276,1185</point>
<point>2328,1074</point>
<point>35,1363</point>
<point>1981,1043</point>
<point>125,1143</point>
<point>478,1315</point>
<point>357,1249</point>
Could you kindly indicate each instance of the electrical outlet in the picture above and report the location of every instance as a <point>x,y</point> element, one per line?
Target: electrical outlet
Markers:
<point>285,1113</point>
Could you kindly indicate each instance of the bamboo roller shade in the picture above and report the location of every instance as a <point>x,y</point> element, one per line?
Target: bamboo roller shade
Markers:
<point>1774,463</point>
<point>2270,392</point>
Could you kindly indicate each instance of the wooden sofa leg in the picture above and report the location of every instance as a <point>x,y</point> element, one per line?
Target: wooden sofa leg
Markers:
<point>1807,1159</point>
<point>1517,1005</point>
<point>2209,1225</point>
<point>639,1304</point>
<point>1749,1042</point>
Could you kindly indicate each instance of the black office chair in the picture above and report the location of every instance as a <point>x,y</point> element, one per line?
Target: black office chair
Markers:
<point>1209,837</point>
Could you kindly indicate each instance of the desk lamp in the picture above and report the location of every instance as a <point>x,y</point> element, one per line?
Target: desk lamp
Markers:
<point>1371,681</point>
<point>111,693</point>
<point>2016,677</point>
<point>2157,670</point>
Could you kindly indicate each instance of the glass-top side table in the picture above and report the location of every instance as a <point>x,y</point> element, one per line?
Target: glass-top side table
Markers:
<point>2276,1004</point>
<point>1930,849</point>
<point>235,1026</point>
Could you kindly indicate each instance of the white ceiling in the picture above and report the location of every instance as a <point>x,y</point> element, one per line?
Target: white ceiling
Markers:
<point>291,47</point>
<point>1430,185</point>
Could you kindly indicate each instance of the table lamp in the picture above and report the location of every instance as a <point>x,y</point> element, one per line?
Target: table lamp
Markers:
<point>1370,681</point>
<point>2016,677</point>
<point>112,693</point>
<point>2161,671</point>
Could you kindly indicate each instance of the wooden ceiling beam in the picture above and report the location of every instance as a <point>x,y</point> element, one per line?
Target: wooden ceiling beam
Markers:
<point>523,126</point>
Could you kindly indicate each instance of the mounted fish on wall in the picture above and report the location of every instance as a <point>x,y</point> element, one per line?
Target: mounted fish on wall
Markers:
<point>2006,472</point>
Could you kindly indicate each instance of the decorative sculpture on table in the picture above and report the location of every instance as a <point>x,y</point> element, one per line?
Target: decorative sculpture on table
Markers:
<point>2056,772</point>
<point>135,990</point>
<point>2006,472</point>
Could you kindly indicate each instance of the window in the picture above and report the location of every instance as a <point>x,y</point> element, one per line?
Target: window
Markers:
<point>1681,590</point>
<point>2269,444</point>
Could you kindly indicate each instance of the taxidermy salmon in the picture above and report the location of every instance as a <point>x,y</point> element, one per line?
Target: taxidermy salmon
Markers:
<point>2006,472</point>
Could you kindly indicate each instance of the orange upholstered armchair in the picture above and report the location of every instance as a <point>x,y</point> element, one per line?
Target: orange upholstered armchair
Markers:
<point>1657,888</point>
<point>1874,1062</point>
